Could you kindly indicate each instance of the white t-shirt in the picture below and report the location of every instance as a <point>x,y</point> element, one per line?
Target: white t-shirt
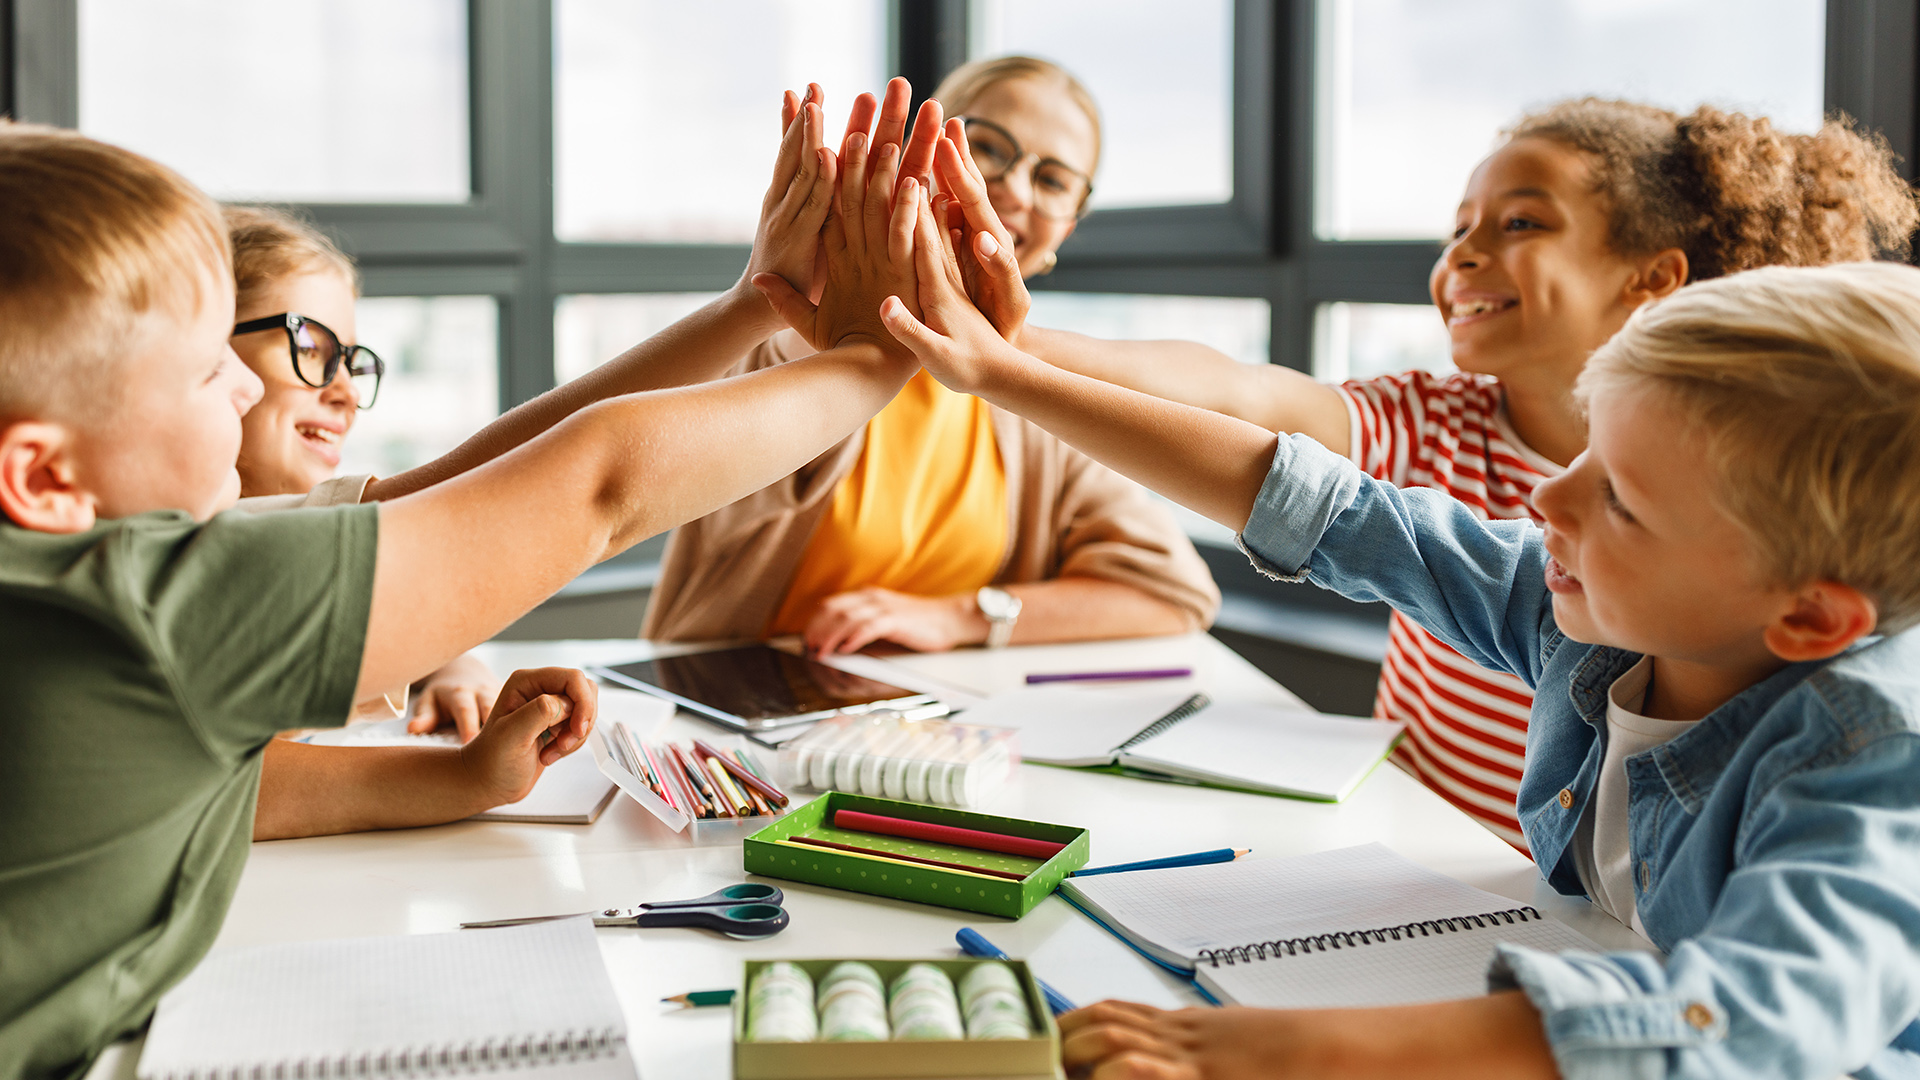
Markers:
<point>1601,851</point>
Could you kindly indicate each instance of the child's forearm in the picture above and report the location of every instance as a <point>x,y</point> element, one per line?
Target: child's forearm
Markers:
<point>1270,396</point>
<point>696,349</point>
<point>321,790</point>
<point>1486,1038</point>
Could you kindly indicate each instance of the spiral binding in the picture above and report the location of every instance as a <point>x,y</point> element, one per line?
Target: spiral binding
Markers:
<point>418,1061</point>
<point>1346,939</point>
<point>1187,708</point>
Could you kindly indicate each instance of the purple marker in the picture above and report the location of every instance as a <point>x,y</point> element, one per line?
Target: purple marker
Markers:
<point>1098,676</point>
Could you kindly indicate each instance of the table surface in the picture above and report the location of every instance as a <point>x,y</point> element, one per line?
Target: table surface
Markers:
<point>429,880</point>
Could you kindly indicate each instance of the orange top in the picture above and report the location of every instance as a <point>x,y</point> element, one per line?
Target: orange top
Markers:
<point>924,510</point>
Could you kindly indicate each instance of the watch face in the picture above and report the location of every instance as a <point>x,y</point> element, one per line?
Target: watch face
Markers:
<point>994,603</point>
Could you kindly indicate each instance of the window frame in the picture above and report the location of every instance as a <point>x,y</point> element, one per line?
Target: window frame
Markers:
<point>1260,244</point>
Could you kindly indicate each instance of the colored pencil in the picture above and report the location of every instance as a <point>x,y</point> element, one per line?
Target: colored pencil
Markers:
<point>1198,858</point>
<point>745,776</point>
<point>804,844</point>
<point>1101,676</point>
<point>704,782</point>
<point>973,944</point>
<point>666,789</point>
<point>696,998</point>
<point>856,821</point>
<point>741,807</point>
<point>919,859</point>
<point>671,754</point>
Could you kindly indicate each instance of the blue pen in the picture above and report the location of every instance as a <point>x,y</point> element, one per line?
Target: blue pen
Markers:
<point>973,944</point>
<point>1199,858</point>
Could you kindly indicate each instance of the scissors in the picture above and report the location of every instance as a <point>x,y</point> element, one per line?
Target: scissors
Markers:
<point>746,910</point>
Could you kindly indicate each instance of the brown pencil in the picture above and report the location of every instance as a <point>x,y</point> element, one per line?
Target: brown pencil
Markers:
<point>743,774</point>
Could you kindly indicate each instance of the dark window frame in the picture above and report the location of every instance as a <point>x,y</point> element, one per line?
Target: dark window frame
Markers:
<point>1260,244</point>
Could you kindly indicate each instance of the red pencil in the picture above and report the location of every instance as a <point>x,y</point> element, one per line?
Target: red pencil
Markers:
<point>767,791</point>
<point>856,821</point>
<point>707,786</point>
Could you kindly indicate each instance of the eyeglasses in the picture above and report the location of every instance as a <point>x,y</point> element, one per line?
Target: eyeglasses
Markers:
<point>318,355</point>
<point>1060,191</point>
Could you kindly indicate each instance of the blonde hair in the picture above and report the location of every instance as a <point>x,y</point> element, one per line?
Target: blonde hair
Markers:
<point>964,85</point>
<point>271,244</point>
<point>94,241</point>
<point>1806,384</point>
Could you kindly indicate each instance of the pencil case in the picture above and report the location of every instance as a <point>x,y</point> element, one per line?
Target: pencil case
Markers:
<point>927,1059</point>
<point>886,755</point>
<point>806,845</point>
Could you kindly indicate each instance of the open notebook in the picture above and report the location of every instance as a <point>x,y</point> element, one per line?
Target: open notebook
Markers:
<point>1262,748</point>
<point>1353,927</point>
<point>571,791</point>
<point>535,999</point>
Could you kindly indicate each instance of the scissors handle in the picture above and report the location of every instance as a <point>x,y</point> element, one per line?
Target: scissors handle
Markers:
<point>747,892</point>
<point>739,920</point>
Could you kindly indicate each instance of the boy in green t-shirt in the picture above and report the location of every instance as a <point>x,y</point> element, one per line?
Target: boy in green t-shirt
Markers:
<point>150,648</point>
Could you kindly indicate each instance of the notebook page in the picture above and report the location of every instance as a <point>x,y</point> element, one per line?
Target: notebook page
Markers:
<point>1443,967</point>
<point>328,1000</point>
<point>1064,725</point>
<point>1223,905</point>
<point>1291,751</point>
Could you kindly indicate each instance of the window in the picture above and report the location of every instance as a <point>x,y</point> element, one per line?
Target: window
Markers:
<point>1234,325</point>
<point>442,382</point>
<point>1162,75</point>
<point>1412,94</point>
<point>590,330</point>
<point>667,114</point>
<point>293,101</point>
<point>1365,341</point>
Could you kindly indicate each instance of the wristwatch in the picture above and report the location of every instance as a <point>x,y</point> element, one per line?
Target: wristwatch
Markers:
<point>1002,610</point>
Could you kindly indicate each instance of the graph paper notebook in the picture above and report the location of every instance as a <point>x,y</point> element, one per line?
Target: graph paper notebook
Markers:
<point>535,1000</point>
<point>1352,927</point>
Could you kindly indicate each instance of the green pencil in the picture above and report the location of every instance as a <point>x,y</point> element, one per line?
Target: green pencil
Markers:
<point>697,998</point>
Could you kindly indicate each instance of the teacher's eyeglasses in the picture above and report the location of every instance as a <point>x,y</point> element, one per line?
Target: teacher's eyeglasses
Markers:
<point>318,355</point>
<point>1060,191</point>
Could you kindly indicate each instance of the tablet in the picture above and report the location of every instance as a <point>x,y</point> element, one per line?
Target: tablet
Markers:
<point>759,688</point>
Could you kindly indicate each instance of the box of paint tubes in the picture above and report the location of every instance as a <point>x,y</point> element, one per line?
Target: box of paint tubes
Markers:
<point>812,1019</point>
<point>888,756</point>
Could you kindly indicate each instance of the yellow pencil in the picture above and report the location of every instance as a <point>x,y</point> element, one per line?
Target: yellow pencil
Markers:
<point>895,862</point>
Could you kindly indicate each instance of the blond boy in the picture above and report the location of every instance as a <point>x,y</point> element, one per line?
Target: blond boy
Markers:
<point>1722,753</point>
<point>150,645</point>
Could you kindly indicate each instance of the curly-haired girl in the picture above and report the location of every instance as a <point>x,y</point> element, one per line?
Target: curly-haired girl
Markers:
<point>1587,210</point>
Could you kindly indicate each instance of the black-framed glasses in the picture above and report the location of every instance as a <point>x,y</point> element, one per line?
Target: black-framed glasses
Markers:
<point>1060,191</point>
<point>318,355</point>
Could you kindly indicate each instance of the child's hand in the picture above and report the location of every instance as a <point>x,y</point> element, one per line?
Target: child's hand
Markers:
<point>456,696</point>
<point>994,284</point>
<point>787,240</point>
<point>869,245</point>
<point>955,342</point>
<point>543,715</point>
<point>1119,1040</point>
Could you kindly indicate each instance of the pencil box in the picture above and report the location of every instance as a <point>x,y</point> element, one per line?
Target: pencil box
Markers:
<point>778,851</point>
<point>1035,1057</point>
<point>888,755</point>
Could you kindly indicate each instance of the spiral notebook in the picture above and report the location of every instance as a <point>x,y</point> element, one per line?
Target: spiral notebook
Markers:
<point>1352,927</point>
<point>1187,736</point>
<point>535,999</point>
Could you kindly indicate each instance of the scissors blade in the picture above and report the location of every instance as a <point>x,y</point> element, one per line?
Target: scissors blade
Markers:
<point>490,923</point>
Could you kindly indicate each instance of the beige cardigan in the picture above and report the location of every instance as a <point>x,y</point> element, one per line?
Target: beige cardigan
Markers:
<point>726,574</point>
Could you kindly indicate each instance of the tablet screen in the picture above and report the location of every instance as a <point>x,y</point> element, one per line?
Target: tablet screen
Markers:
<point>757,684</point>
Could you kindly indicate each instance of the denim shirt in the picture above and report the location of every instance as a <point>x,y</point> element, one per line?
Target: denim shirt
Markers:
<point>1776,842</point>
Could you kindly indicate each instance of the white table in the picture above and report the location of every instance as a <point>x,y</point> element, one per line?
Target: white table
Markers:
<point>428,880</point>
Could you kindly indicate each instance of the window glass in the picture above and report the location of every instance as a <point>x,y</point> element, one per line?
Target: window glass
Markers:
<point>590,330</point>
<point>442,382</point>
<point>1161,73</point>
<point>1364,341</point>
<point>297,100</point>
<point>1238,326</point>
<point>1413,93</point>
<point>667,114</point>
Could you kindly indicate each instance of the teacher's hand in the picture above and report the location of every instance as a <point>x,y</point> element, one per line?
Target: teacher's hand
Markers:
<point>850,621</point>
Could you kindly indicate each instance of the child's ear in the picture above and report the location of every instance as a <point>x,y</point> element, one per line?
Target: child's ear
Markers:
<point>1659,276</point>
<point>1825,618</point>
<point>37,489</point>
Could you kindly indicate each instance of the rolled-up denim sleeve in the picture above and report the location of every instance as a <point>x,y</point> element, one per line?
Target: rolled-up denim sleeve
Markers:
<point>1477,585</point>
<point>1805,967</point>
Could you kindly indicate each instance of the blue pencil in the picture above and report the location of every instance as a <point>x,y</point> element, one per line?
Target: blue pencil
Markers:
<point>1198,858</point>
<point>973,944</point>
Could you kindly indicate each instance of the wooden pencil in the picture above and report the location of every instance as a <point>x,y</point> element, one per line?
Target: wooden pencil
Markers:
<point>796,842</point>
<point>917,860</point>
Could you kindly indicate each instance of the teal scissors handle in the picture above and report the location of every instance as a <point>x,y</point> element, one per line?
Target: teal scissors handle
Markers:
<point>746,892</point>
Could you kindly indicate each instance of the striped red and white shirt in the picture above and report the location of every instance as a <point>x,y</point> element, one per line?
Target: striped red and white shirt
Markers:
<point>1466,725</point>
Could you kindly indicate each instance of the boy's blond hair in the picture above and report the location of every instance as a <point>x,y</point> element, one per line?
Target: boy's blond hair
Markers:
<point>94,241</point>
<point>1806,384</point>
<point>270,245</point>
